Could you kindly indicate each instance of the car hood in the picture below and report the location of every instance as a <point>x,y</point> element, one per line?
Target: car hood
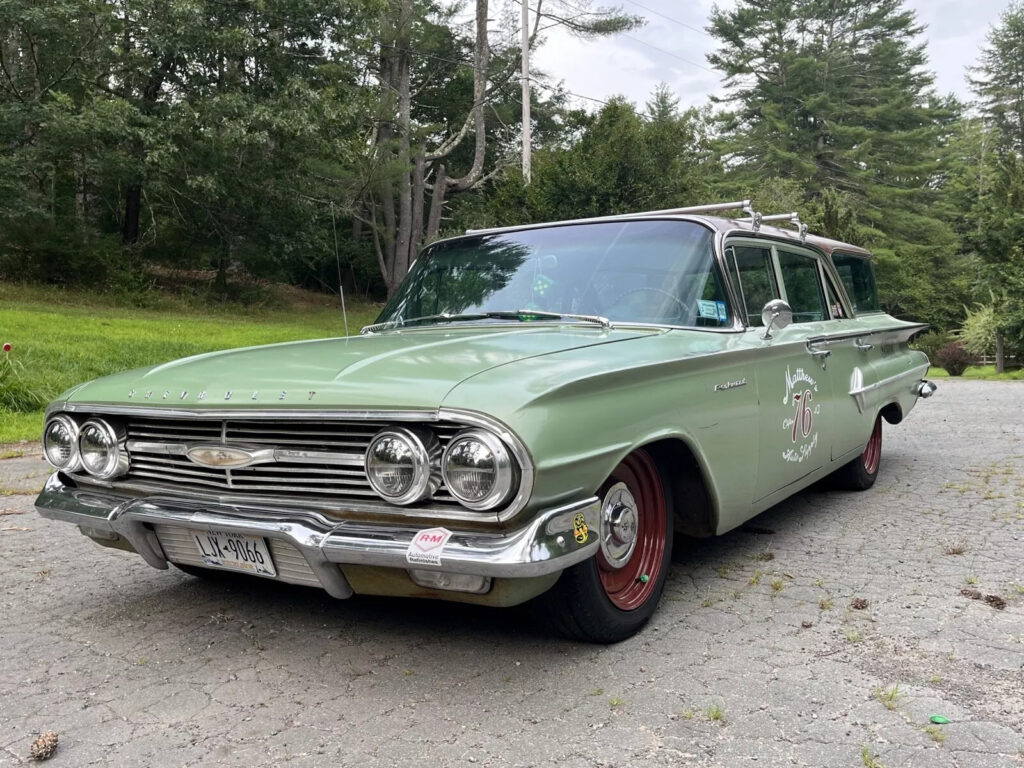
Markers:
<point>411,369</point>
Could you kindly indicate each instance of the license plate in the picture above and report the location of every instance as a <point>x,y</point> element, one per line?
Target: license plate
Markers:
<point>234,551</point>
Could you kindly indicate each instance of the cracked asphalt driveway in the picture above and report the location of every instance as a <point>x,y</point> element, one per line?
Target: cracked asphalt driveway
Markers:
<point>759,654</point>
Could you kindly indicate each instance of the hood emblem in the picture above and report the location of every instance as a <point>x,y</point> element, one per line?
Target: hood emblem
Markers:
<point>220,456</point>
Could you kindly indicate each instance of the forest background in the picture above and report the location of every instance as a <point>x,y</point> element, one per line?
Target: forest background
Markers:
<point>318,143</point>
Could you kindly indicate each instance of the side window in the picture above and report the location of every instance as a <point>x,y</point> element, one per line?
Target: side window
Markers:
<point>859,281</point>
<point>803,288</point>
<point>712,308</point>
<point>832,295</point>
<point>751,268</point>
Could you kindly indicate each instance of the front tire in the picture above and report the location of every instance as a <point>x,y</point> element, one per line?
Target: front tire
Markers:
<point>860,474</point>
<point>611,596</point>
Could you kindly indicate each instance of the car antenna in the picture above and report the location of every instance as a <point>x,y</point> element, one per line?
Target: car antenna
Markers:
<point>337,259</point>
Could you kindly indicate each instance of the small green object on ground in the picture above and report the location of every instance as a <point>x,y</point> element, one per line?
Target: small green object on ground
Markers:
<point>939,719</point>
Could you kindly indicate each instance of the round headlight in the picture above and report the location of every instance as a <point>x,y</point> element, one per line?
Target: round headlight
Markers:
<point>101,451</point>
<point>60,443</point>
<point>478,469</point>
<point>398,465</point>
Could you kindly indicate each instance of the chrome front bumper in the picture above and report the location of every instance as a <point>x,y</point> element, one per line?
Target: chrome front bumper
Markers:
<point>544,546</point>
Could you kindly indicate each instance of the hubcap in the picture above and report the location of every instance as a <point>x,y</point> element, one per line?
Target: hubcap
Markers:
<point>619,522</point>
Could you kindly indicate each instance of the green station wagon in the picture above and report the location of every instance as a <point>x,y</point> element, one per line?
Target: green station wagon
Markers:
<point>535,415</point>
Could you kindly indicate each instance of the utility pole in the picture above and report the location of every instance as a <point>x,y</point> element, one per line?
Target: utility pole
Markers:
<point>526,91</point>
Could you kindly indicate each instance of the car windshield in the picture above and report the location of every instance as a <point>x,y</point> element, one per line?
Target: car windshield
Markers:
<point>659,272</point>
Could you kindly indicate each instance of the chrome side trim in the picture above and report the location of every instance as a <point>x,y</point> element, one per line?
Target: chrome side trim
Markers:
<point>896,335</point>
<point>858,390</point>
<point>545,545</point>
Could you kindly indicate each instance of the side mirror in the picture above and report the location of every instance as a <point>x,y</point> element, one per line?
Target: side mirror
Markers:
<point>776,314</point>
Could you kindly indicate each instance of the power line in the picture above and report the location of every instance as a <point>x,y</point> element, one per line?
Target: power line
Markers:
<point>670,18</point>
<point>602,102</point>
<point>580,10</point>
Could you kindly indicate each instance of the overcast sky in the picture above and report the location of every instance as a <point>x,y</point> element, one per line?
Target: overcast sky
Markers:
<point>672,48</point>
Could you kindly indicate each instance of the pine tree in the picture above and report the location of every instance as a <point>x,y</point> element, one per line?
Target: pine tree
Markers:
<point>999,85</point>
<point>834,95</point>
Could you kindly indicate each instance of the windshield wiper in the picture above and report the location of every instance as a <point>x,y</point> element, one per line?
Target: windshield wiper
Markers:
<point>505,314</point>
<point>444,317</point>
<point>523,314</point>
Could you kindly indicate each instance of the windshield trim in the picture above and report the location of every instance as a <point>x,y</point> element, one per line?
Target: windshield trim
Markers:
<point>618,325</point>
<point>620,217</point>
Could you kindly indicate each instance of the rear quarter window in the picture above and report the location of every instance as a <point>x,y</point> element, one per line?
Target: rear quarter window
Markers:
<point>859,280</point>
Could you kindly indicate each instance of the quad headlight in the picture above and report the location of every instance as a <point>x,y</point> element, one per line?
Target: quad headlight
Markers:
<point>400,465</point>
<point>478,469</point>
<point>60,443</point>
<point>101,449</point>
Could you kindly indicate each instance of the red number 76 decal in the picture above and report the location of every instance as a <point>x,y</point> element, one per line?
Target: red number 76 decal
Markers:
<point>803,418</point>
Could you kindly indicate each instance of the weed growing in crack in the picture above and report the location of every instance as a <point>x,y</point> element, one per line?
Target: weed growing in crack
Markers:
<point>889,697</point>
<point>955,547</point>
<point>715,713</point>
<point>869,760</point>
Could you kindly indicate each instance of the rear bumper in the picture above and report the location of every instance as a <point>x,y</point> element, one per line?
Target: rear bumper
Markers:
<point>544,546</point>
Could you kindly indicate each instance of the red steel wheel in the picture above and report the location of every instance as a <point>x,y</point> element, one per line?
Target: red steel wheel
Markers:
<point>859,473</point>
<point>633,532</point>
<point>873,452</point>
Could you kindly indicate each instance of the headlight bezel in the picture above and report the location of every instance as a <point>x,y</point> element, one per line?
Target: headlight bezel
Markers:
<point>505,469</point>
<point>425,450</point>
<point>74,462</point>
<point>117,460</point>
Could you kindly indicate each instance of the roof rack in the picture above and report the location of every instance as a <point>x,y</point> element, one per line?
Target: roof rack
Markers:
<point>738,205</point>
<point>757,219</point>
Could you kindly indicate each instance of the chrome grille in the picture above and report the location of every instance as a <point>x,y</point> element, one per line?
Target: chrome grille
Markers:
<point>297,477</point>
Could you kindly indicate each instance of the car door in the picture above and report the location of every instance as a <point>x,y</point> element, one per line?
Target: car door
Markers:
<point>795,390</point>
<point>851,367</point>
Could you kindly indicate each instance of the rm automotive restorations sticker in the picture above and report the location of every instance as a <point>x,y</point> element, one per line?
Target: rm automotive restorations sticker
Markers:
<point>427,545</point>
<point>800,389</point>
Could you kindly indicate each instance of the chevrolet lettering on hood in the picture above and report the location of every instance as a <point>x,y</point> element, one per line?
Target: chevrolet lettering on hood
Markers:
<point>534,416</point>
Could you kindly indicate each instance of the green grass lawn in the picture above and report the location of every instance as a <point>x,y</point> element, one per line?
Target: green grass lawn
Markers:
<point>60,339</point>
<point>984,372</point>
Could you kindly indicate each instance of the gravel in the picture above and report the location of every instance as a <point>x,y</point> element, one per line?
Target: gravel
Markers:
<point>826,632</point>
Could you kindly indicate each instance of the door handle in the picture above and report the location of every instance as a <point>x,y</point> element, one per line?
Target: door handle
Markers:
<point>821,354</point>
<point>862,346</point>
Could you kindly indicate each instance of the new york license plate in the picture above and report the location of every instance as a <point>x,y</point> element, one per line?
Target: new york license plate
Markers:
<point>234,551</point>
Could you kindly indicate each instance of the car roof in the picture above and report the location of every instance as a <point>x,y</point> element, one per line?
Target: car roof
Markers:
<point>730,226</point>
<point>719,224</point>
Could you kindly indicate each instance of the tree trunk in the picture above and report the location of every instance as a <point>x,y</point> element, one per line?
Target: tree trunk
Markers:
<point>437,202</point>
<point>418,185</point>
<point>1000,353</point>
<point>132,213</point>
<point>404,234</point>
<point>220,283</point>
<point>400,233</point>
<point>481,55</point>
<point>78,166</point>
